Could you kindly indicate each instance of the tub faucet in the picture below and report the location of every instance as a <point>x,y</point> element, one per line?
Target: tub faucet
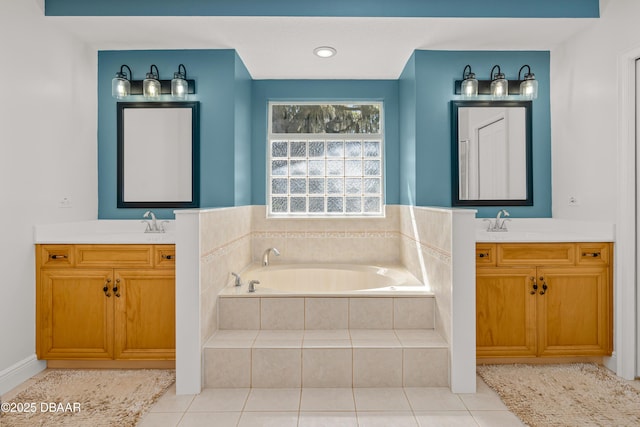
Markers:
<point>152,225</point>
<point>265,256</point>
<point>252,285</point>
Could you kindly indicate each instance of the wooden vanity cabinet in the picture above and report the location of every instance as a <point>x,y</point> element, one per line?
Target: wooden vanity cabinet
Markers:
<point>543,299</point>
<point>105,302</point>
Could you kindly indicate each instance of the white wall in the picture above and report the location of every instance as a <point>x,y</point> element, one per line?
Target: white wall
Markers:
<point>584,112</point>
<point>593,153</point>
<point>48,127</point>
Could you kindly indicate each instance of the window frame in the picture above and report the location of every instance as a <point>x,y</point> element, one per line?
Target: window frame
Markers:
<point>327,137</point>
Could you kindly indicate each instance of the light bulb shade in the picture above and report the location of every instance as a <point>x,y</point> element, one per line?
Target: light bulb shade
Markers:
<point>529,87</point>
<point>179,86</point>
<point>150,87</point>
<point>469,86</point>
<point>120,87</point>
<point>499,86</point>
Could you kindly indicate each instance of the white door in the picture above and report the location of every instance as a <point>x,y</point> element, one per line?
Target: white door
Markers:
<point>493,172</point>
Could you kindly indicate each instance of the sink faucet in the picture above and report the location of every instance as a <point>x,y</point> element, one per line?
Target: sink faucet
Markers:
<point>499,224</point>
<point>265,256</point>
<point>152,226</point>
<point>252,285</point>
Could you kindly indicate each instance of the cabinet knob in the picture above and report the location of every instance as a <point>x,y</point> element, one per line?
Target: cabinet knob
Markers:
<point>483,255</point>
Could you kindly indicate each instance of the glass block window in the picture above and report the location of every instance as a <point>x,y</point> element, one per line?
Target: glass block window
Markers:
<point>325,160</point>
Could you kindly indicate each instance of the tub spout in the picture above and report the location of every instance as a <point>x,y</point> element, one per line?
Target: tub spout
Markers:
<point>265,256</point>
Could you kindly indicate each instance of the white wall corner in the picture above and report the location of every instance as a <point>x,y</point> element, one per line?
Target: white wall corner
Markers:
<point>463,307</point>
<point>20,372</point>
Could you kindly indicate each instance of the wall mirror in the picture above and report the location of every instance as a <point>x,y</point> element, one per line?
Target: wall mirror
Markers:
<point>158,154</point>
<point>491,153</point>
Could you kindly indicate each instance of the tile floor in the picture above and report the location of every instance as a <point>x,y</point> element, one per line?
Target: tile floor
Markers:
<point>326,407</point>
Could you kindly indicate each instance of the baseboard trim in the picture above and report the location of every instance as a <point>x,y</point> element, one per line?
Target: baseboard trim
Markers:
<point>20,372</point>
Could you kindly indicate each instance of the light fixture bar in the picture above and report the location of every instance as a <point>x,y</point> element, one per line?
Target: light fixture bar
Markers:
<point>484,87</point>
<point>165,87</point>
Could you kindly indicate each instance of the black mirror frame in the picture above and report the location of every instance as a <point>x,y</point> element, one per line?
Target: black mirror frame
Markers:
<point>195,155</point>
<point>455,182</point>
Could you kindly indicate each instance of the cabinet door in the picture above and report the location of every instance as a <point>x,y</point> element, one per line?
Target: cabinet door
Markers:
<point>145,314</point>
<point>573,311</point>
<point>75,314</point>
<point>505,312</point>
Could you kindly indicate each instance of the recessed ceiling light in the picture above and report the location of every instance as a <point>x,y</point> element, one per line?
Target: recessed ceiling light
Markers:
<point>325,51</point>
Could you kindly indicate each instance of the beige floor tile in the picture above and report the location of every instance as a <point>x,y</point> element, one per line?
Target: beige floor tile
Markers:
<point>380,399</point>
<point>169,402</point>
<point>496,418</point>
<point>485,399</point>
<point>160,419</point>
<point>268,419</point>
<point>209,419</point>
<point>273,399</point>
<point>446,419</point>
<point>220,399</point>
<point>387,419</point>
<point>433,399</point>
<point>327,399</point>
<point>328,419</point>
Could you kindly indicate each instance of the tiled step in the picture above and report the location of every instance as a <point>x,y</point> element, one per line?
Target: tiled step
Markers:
<point>326,358</point>
<point>337,312</point>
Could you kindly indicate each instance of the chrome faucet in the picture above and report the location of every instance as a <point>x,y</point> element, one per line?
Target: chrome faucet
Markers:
<point>265,256</point>
<point>238,281</point>
<point>152,225</point>
<point>500,223</point>
<point>252,285</point>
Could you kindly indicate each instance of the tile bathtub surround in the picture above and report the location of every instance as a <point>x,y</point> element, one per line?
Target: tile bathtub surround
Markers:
<point>331,358</point>
<point>269,312</point>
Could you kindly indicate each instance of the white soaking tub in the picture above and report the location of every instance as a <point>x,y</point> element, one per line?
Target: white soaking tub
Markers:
<point>328,279</point>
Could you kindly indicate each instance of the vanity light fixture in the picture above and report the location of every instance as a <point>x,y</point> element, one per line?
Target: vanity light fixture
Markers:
<point>152,87</point>
<point>121,83</point>
<point>469,85</point>
<point>499,85</point>
<point>325,51</point>
<point>528,86</point>
<point>151,84</point>
<point>179,85</point>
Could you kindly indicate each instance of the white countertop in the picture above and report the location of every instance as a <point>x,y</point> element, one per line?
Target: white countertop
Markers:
<point>103,232</point>
<point>547,230</point>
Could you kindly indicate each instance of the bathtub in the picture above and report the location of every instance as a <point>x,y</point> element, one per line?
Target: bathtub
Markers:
<point>328,279</point>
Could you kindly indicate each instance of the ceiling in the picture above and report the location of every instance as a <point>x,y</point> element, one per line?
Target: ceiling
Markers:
<point>282,47</point>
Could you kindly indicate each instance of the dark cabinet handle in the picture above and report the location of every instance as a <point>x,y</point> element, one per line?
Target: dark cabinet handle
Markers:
<point>106,288</point>
<point>544,286</point>
<point>57,256</point>
<point>168,256</point>
<point>116,289</point>
<point>483,254</point>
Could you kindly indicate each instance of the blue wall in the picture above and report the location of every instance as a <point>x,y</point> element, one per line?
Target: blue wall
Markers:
<point>402,8</point>
<point>233,121</point>
<point>223,88</point>
<point>427,85</point>
<point>326,90</point>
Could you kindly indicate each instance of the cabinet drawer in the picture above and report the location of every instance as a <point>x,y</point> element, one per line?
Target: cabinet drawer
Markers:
<point>114,255</point>
<point>535,254</point>
<point>56,255</point>
<point>485,254</point>
<point>165,256</point>
<point>593,253</point>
